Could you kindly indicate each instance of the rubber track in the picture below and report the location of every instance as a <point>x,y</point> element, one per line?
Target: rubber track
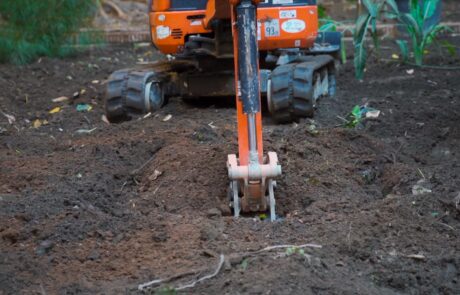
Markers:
<point>129,83</point>
<point>292,95</point>
<point>114,104</point>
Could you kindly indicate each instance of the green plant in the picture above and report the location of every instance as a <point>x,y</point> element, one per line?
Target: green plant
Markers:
<point>295,250</point>
<point>415,23</point>
<point>367,24</point>
<point>354,118</point>
<point>31,28</point>
<point>168,290</point>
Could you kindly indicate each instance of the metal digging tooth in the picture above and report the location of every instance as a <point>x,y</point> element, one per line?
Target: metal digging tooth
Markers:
<point>271,194</point>
<point>236,199</point>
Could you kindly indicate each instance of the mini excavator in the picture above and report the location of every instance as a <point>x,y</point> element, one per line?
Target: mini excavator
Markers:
<point>250,49</point>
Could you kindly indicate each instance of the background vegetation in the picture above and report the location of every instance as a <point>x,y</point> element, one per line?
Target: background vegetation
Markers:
<point>31,28</point>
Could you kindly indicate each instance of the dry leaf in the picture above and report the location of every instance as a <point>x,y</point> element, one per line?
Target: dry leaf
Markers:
<point>61,99</point>
<point>416,256</point>
<point>155,175</point>
<point>104,119</point>
<point>11,118</point>
<point>55,110</point>
<point>85,131</point>
<point>37,123</point>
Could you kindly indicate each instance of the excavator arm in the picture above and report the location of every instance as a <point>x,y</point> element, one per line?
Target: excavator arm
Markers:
<point>251,175</point>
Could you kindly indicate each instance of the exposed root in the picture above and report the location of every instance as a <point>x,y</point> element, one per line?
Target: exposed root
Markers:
<point>215,273</point>
<point>154,283</point>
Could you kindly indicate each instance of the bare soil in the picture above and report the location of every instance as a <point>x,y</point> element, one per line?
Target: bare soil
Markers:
<point>101,212</point>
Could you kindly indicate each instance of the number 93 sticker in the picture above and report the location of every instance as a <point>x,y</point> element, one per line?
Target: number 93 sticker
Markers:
<point>272,28</point>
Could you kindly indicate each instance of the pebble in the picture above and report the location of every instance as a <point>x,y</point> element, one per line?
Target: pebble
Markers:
<point>214,212</point>
<point>94,255</point>
<point>44,247</point>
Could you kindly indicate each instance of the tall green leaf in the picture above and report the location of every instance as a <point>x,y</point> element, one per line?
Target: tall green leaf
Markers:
<point>404,49</point>
<point>359,44</point>
<point>429,8</point>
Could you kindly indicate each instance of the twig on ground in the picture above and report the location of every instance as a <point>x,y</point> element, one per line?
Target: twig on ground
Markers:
<point>42,290</point>
<point>174,277</point>
<point>446,225</point>
<point>137,170</point>
<point>178,276</point>
<point>123,186</point>
<point>155,150</point>
<point>215,273</point>
<point>287,246</point>
<point>457,201</point>
<point>421,173</point>
<point>349,236</point>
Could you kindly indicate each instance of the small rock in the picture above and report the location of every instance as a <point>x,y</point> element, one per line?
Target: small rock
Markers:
<point>160,236</point>
<point>117,212</point>
<point>316,262</point>
<point>457,202</point>
<point>214,212</point>
<point>44,247</point>
<point>225,209</point>
<point>421,188</point>
<point>155,175</point>
<point>118,238</point>
<point>235,259</point>
<point>369,175</point>
<point>210,232</point>
<point>10,235</point>
<point>94,255</point>
<point>167,118</point>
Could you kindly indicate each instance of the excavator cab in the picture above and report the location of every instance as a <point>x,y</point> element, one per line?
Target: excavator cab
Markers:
<point>249,49</point>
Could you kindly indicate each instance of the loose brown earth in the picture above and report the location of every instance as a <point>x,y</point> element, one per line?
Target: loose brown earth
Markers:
<point>88,214</point>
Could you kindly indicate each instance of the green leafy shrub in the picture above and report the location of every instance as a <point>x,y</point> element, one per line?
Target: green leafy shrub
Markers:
<point>32,28</point>
<point>415,22</point>
<point>367,24</point>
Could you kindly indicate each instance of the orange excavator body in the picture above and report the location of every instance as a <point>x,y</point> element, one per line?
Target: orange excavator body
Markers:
<point>278,27</point>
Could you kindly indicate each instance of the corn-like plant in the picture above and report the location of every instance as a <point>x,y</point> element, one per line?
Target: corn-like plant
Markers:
<point>31,28</point>
<point>367,24</point>
<point>415,23</point>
